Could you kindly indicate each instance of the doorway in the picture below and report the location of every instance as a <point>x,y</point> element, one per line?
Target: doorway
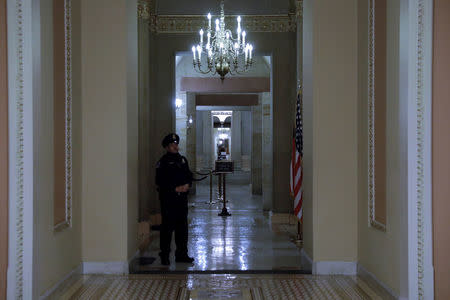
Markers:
<point>229,121</point>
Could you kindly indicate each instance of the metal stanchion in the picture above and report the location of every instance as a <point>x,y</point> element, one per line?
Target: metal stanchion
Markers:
<point>224,212</point>
<point>211,189</point>
<point>219,187</point>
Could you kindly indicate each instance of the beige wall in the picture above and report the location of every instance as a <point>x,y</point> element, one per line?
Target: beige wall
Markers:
<point>330,95</point>
<point>132,127</point>
<point>109,129</point>
<point>384,253</point>
<point>3,151</point>
<point>58,252</point>
<point>441,149</point>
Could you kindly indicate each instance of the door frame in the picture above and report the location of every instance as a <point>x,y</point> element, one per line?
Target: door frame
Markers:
<point>420,246</point>
<point>4,162</point>
<point>23,22</point>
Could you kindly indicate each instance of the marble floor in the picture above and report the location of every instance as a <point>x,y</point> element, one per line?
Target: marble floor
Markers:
<point>227,248</point>
<point>226,286</point>
<point>245,241</point>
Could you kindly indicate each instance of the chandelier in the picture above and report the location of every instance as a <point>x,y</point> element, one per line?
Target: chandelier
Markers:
<point>224,53</point>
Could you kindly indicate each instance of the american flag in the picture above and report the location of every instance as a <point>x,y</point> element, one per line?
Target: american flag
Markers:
<point>296,161</point>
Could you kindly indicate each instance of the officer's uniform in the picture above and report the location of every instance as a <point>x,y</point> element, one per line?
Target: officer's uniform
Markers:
<point>173,170</point>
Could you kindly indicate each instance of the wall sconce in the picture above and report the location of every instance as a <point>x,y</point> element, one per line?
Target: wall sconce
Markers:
<point>178,103</point>
<point>189,122</point>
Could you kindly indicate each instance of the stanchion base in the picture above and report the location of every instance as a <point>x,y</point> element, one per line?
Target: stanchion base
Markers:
<point>297,241</point>
<point>224,213</point>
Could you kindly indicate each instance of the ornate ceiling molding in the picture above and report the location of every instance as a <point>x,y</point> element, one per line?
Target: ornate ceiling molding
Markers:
<point>299,9</point>
<point>146,10</point>
<point>192,23</point>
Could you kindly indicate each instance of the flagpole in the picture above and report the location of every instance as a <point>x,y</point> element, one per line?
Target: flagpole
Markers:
<point>299,240</point>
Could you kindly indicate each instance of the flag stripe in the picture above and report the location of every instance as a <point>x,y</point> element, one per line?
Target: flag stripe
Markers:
<point>296,167</point>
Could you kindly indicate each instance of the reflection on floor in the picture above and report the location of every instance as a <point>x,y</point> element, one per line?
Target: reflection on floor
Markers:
<point>236,287</point>
<point>242,242</point>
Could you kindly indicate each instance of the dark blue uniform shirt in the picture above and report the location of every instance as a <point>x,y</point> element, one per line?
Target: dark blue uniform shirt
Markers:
<point>172,170</point>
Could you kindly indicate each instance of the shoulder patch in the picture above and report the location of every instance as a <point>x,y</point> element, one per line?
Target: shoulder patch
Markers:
<point>158,164</point>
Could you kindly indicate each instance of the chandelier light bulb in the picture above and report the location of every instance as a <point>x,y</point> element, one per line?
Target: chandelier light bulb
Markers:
<point>199,50</point>
<point>223,51</point>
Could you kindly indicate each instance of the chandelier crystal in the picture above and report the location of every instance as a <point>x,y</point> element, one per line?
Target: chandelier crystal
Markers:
<point>224,53</point>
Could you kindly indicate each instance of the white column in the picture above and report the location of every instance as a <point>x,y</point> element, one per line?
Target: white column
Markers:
<point>236,141</point>
<point>207,139</point>
<point>267,151</point>
<point>257,149</point>
<point>191,140</point>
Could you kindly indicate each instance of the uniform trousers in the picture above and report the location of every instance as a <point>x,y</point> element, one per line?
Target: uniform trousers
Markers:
<point>174,218</point>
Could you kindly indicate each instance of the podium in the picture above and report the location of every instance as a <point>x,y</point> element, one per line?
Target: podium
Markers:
<point>223,167</point>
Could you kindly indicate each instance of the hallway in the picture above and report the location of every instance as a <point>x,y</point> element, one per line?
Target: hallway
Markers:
<point>244,242</point>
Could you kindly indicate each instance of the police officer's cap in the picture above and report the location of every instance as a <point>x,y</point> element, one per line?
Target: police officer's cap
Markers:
<point>170,138</point>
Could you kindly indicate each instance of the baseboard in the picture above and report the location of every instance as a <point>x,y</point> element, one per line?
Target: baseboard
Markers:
<point>375,282</point>
<point>77,271</point>
<point>135,255</point>
<point>306,260</point>
<point>334,268</point>
<point>111,267</point>
<point>283,218</point>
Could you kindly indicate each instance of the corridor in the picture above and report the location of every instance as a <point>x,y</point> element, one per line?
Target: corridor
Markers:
<point>244,242</point>
<point>241,257</point>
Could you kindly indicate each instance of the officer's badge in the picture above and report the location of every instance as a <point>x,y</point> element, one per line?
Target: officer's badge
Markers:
<point>183,161</point>
<point>174,137</point>
<point>158,164</point>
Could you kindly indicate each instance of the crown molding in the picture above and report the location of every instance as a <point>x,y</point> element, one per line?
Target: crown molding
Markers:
<point>192,23</point>
<point>146,10</point>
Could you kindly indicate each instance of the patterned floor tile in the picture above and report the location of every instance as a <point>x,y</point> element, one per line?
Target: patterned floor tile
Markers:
<point>196,287</point>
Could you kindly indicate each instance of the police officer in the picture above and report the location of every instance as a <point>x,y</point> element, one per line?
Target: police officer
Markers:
<point>173,179</point>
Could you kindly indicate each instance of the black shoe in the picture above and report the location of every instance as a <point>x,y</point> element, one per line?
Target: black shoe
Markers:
<point>165,261</point>
<point>184,259</point>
